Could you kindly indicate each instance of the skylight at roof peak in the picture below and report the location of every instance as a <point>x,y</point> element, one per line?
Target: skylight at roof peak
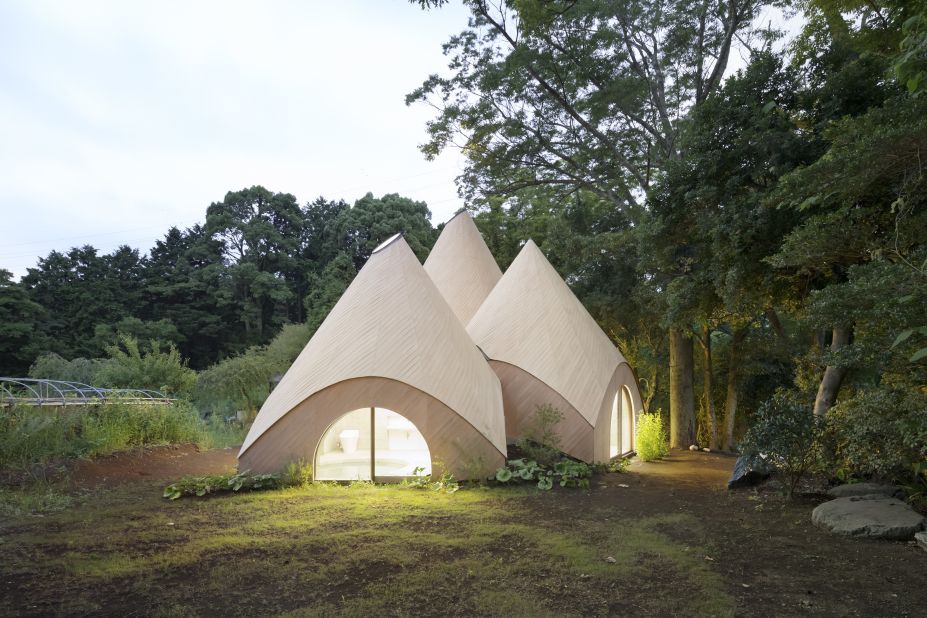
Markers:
<point>387,242</point>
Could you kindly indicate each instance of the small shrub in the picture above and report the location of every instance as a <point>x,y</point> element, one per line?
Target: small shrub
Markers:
<point>619,465</point>
<point>652,443</point>
<point>51,366</point>
<point>786,435</point>
<point>570,473</point>
<point>541,442</point>
<point>540,453</point>
<point>446,482</point>
<point>542,429</point>
<point>130,366</point>
<point>298,474</point>
<point>878,433</point>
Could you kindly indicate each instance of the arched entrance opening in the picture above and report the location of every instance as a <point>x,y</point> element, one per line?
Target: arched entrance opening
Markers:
<point>627,421</point>
<point>371,444</point>
<point>614,430</point>
<point>621,426</point>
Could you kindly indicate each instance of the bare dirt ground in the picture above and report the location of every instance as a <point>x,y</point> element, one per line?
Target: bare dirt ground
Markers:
<point>162,464</point>
<point>680,544</point>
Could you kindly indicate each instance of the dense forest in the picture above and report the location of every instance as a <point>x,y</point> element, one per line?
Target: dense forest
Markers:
<point>754,243</point>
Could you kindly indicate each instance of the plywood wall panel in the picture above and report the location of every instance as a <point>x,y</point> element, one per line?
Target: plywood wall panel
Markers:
<point>522,393</point>
<point>455,445</point>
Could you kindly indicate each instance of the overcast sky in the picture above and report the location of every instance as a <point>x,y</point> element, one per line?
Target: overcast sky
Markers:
<point>120,119</point>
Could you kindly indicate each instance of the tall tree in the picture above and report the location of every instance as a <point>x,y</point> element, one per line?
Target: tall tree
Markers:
<point>21,337</point>
<point>259,232</point>
<point>372,220</point>
<point>581,96</point>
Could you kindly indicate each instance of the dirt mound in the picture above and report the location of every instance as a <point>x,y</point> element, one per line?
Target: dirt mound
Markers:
<point>161,463</point>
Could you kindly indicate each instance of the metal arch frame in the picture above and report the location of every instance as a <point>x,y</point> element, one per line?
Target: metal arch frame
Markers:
<point>38,392</point>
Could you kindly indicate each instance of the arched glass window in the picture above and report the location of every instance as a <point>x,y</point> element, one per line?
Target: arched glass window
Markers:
<point>627,421</point>
<point>369,444</point>
<point>621,426</point>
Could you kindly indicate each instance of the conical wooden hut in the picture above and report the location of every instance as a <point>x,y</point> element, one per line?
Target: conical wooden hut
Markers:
<point>547,349</point>
<point>389,384</point>
<point>462,267</point>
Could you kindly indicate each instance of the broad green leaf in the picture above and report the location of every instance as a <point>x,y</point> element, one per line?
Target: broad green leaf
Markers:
<point>903,336</point>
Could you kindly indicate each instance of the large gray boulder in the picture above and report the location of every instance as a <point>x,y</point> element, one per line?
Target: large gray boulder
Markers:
<point>862,489</point>
<point>873,517</point>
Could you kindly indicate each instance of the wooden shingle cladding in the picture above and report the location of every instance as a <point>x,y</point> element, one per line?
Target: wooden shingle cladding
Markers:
<point>462,267</point>
<point>390,341</point>
<point>532,321</point>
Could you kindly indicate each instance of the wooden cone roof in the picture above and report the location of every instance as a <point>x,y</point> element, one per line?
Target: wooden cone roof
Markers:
<point>462,267</point>
<point>392,322</point>
<point>532,320</point>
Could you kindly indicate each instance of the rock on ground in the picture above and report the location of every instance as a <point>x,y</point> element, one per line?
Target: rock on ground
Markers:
<point>748,471</point>
<point>921,538</point>
<point>862,489</point>
<point>874,517</point>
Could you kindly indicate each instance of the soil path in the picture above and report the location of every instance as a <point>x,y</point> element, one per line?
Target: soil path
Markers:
<point>162,463</point>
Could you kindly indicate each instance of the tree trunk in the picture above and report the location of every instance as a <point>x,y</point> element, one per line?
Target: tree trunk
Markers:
<point>708,387</point>
<point>652,391</point>
<point>682,394</point>
<point>833,375</point>
<point>774,321</point>
<point>733,388</point>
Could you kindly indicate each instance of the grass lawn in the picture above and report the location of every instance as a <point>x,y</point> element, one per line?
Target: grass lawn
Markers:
<point>681,546</point>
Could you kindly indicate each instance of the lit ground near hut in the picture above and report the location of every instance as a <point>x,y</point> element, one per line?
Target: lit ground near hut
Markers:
<point>682,545</point>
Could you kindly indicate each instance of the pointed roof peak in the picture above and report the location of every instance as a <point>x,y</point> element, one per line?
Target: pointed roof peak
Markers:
<point>389,241</point>
<point>462,267</point>
<point>532,320</point>
<point>462,211</point>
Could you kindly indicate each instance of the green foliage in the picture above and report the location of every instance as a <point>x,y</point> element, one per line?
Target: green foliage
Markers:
<point>163,330</point>
<point>651,440</point>
<point>129,366</point>
<point>213,290</point>
<point>37,497</point>
<point>910,64</point>
<point>786,435</point>
<point>242,382</point>
<point>222,433</point>
<point>618,465</point>
<point>879,433</point>
<point>20,335</point>
<point>561,96</point>
<point>52,367</point>
<point>327,287</point>
<point>298,474</point>
<point>541,442</point>
<point>568,472</point>
<point>916,488</point>
<point>445,483</point>
<point>200,486</point>
<point>542,428</point>
<point>237,383</point>
<point>32,436</point>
